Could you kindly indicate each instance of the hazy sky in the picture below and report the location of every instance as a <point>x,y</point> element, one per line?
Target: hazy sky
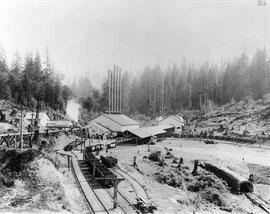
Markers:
<point>90,36</point>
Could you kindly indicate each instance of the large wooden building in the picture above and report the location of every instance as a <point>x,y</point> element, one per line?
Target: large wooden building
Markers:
<point>115,123</point>
<point>176,121</point>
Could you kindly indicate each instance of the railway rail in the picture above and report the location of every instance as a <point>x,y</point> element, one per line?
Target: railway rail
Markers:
<point>138,188</point>
<point>123,202</point>
<point>88,205</point>
<point>91,197</point>
<point>260,202</point>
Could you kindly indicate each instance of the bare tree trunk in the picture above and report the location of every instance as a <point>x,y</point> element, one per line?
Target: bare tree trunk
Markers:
<point>190,99</point>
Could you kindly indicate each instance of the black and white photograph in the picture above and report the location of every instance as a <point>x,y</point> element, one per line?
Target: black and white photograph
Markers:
<point>135,106</point>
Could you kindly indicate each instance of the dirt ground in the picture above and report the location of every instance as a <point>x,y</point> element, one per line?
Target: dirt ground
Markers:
<point>178,191</point>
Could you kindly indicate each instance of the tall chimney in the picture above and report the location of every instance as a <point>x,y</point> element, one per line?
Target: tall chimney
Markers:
<point>120,89</point>
<point>109,86</point>
<point>114,87</point>
<point>112,92</point>
<point>116,84</point>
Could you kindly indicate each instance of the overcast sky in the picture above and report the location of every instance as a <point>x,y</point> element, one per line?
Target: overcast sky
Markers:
<point>88,37</point>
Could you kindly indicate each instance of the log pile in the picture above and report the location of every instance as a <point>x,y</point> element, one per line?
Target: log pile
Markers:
<point>235,181</point>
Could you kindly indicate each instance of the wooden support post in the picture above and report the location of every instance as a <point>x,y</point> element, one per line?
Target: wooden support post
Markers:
<point>134,161</point>
<point>115,184</point>
<point>94,170</point>
<point>14,139</point>
<point>68,163</point>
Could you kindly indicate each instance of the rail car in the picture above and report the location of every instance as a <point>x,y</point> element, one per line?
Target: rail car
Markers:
<point>101,172</point>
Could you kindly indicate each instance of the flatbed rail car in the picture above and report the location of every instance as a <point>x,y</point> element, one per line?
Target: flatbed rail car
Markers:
<point>99,170</point>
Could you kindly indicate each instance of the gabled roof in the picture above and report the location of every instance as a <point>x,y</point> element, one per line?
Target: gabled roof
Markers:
<point>97,126</point>
<point>165,126</point>
<point>121,119</point>
<point>147,131</point>
<point>114,122</point>
<point>175,118</point>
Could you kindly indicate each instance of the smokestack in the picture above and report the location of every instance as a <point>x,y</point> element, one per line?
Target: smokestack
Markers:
<point>112,98</point>
<point>109,94</point>
<point>116,89</point>
<point>120,88</point>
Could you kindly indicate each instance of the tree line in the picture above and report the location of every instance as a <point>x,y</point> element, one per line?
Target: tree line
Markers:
<point>28,82</point>
<point>184,86</point>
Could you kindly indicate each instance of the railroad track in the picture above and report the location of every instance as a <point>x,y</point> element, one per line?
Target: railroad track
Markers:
<point>93,185</point>
<point>260,202</point>
<point>116,170</point>
<point>138,188</point>
<point>126,207</point>
<point>124,203</point>
<point>95,204</point>
<point>88,205</point>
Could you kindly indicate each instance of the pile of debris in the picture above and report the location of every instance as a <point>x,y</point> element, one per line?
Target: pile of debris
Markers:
<point>205,186</point>
<point>245,119</point>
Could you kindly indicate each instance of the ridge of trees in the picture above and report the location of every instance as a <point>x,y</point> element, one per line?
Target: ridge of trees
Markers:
<point>26,82</point>
<point>180,87</point>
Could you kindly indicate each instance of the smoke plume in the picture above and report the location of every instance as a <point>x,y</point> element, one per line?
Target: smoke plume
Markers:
<point>73,109</point>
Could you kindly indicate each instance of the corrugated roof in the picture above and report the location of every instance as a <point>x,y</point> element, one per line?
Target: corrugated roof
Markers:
<point>177,119</point>
<point>121,119</point>
<point>165,126</point>
<point>106,122</point>
<point>147,131</point>
<point>180,119</point>
<point>114,122</point>
<point>97,128</point>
